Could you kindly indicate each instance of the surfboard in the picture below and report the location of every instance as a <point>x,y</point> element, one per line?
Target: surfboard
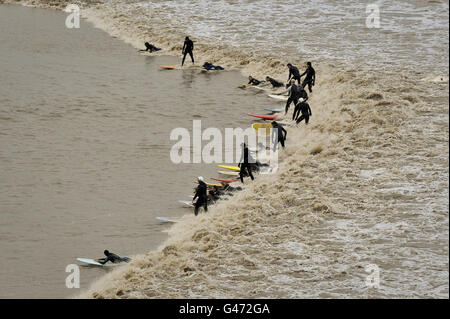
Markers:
<point>166,220</point>
<point>262,127</point>
<point>233,168</point>
<point>90,261</point>
<point>225,180</point>
<point>265,117</point>
<point>210,185</point>
<point>228,173</point>
<point>278,97</point>
<point>273,110</point>
<point>186,203</point>
<point>168,67</point>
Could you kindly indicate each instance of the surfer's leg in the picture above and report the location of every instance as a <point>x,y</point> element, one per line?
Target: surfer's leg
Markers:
<point>288,103</point>
<point>301,118</point>
<point>184,57</point>
<point>249,169</point>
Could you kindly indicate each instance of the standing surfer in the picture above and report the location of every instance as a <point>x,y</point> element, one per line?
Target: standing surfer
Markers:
<point>244,164</point>
<point>310,78</point>
<point>188,47</point>
<point>279,133</point>
<point>293,72</point>
<point>201,194</point>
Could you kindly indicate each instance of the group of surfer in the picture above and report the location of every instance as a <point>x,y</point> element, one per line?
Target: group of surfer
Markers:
<point>302,111</point>
<point>296,92</point>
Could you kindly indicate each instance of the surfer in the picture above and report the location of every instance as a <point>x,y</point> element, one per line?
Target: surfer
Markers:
<point>112,258</point>
<point>278,130</point>
<point>201,194</point>
<point>293,72</point>
<point>209,66</point>
<point>294,94</point>
<point>188,47</point>
<point>150,47</point>
<point>303,107</point>
<point>253,81</point>
<point>244,163</point>
<point>310,78</point>
<point>275,83</point>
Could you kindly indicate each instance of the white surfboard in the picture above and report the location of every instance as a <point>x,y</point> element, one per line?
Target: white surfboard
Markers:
<point>186,203</point>
<point>278,97</point>
<point>229,173</point>
<point>90,261</point>
<point>165,219</point>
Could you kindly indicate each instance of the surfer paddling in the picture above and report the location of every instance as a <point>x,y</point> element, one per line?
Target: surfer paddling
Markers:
<point>150,48</point>
<point>112,258</point>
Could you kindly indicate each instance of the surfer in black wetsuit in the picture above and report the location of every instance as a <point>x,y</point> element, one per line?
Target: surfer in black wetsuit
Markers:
<point>253,81</point>
<point>281,134</point>
<point>244,164</point>
<point>201,194</point>
<point>112,258</point>
<point>150,47</point>
<point>310,78</point>
<point>294,94</point>
<point>275,83</point>
<point>303,107</point>
<point>293,72</point>
<point>209,66</point>
<point>188,47</point>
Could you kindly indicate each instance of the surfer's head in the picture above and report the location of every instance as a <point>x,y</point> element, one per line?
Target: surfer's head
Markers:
<point>106,252</point>
<point>200,178</point>
<point>308,63</point>
<point>289,65</point>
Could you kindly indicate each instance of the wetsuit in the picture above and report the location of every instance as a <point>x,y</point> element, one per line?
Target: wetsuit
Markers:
<point>150,47</point>
<point>310,78</point>
<point>245,166</point>
<point>294,95</point>
<point>275,83</point>
<point>294,73</point>
<point>188,46</point>
<point>112,258</point>
<point>254,82</point>
<point>280,136</point>
<point>210,66</point>
<point>306,112</point>
<point>296,113</point>
<point>201,194</point>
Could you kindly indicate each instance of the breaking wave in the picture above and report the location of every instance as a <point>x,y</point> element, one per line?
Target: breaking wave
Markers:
<point>366,182</point>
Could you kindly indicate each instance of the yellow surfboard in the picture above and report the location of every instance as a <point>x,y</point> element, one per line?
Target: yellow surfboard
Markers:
<point>233,168</point>
<point>168,67</point>
<point>262,126</point>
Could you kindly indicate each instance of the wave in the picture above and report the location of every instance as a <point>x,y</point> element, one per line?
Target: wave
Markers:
<point>357,186</point>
